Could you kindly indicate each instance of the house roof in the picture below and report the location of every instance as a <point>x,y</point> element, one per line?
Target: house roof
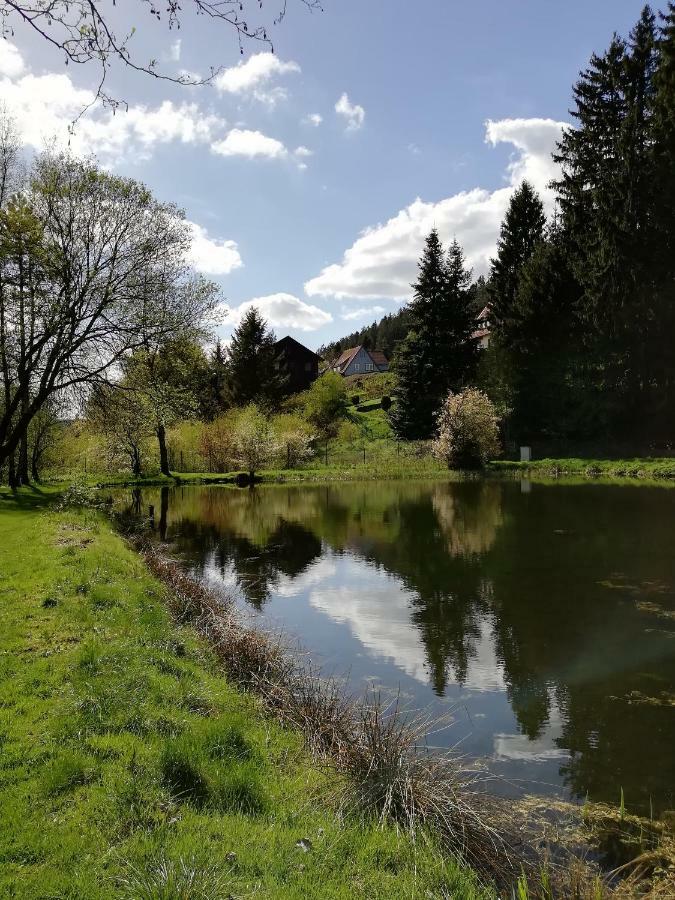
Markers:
<point>346,357</point>
<point>285,341</point>
<point>377,356</point>
<point>484,313</point>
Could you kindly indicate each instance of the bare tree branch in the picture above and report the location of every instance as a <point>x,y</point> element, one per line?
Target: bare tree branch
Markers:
<point>84,33</point>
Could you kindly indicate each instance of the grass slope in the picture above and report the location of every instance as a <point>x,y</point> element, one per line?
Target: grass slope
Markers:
<point>129,768</point>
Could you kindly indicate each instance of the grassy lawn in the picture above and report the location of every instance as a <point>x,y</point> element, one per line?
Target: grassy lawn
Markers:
<point>638,467</point>
<point>130,768</point>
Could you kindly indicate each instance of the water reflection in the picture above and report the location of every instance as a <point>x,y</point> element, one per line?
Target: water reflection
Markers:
<point>548,615</point>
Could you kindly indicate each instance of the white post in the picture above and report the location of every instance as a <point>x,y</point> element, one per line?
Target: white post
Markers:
<point>526,454</point>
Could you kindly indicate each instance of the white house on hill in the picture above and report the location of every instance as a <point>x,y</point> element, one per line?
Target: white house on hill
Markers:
<point>360,361</point>
<point>482,333</point>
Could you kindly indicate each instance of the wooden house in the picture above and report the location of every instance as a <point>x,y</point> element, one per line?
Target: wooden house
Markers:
<point>299,362</point>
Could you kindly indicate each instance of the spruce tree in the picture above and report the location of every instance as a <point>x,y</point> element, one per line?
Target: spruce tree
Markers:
<point>605,200</point>
<point>457,326</point>
<point>664,142</point>
<point>521,231</point>
<point>253,374</point>
<point>663,256</point>
<point>413,415</point>
<point>438,355</point>
<point>544,352</point>
<point>426,306</point>
<point>214,401</point>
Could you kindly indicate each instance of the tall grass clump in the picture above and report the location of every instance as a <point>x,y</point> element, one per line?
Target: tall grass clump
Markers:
<point>232,785</point>
<point>182,879</point>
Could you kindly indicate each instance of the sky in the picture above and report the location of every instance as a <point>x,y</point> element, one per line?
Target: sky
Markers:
<point>312,175</point>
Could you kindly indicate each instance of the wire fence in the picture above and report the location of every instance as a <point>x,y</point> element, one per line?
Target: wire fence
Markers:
<point>326,454</point>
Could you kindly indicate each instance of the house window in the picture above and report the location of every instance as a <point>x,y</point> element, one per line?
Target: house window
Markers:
<point>357,367</point>
<point>370,367</point>
<point>308,367</point>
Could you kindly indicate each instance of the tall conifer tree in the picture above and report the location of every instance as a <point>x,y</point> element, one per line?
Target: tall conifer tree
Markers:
<point>663,256</point>
<point>521,231</point>
<point>544,351</point>
<point>457,326</point>
<point>438,355</point>
<point>605,198</point>
<point>253,374</point>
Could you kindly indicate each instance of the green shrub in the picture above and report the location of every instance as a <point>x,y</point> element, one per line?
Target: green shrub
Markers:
<point>385,403</point>
<point>326,403</point>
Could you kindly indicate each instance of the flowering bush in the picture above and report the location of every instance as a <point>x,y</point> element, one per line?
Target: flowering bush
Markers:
<point>216,442</point>
<point>255,439</point>
<point>296,438</point>
<point>468,430</point>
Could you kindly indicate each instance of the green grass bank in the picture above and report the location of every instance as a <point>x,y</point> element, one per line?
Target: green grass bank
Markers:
<point>130,768</point>
<point>637,467</point>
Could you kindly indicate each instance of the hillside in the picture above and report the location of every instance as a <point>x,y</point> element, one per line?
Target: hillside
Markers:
<point>383,335</point>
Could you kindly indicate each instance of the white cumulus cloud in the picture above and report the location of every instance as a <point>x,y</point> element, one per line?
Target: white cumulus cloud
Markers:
<point>11,63</point>
<point>213,256</point>
<point>44,106</point>
<point>353,114</point>
<point>242,142</point>
<point>174,50</point>
<point>535,140</point>
<point>314,119</point>
<point>382,262</point>
<point>255,76</point>
<point>282,310</point>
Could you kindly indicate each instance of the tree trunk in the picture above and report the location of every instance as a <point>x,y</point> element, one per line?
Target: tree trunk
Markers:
<point>163,454</point>
<point>35,464</point>
<point>136,462</point>
<point>11,472</point>
<point>22,474</point>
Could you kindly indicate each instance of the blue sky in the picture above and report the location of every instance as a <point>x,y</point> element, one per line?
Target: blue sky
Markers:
<point>429,113</point>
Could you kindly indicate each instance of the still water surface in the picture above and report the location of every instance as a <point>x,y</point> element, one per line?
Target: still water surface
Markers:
<point>542,615</point>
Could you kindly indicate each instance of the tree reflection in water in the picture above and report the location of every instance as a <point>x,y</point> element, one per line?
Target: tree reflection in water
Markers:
<point>570,586</point>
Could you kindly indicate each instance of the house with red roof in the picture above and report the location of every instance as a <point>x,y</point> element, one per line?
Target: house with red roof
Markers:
<point>360,361</point>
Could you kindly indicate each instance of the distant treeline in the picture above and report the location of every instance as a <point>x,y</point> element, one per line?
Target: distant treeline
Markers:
<point>383,335</point>
<point>388,333</point>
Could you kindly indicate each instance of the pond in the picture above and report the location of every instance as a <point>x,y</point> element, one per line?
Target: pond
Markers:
<point>542,616</point>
